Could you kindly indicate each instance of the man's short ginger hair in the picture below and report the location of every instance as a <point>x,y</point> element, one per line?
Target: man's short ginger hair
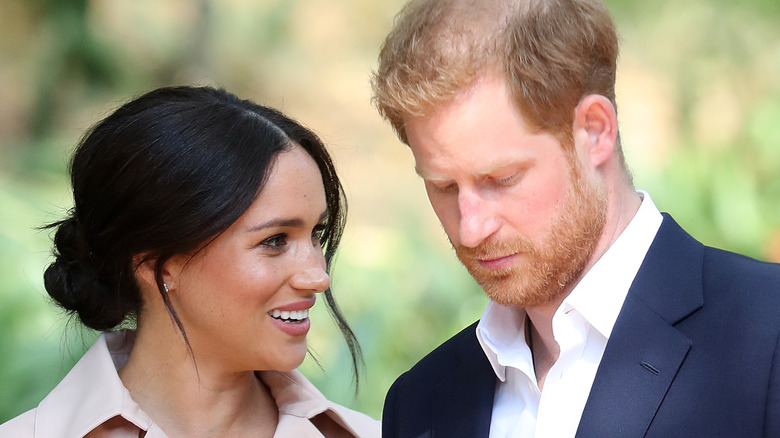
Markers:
<point>551,53</point>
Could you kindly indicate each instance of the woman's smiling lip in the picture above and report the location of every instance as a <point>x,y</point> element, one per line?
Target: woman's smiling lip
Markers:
<point>298,305</point>
<point>497,262</point>
<point>293,318</point>
<point>295,329</point>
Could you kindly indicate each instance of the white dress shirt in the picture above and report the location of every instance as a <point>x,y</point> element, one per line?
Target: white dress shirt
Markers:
<point>92,401</point>
<point>581,327</point>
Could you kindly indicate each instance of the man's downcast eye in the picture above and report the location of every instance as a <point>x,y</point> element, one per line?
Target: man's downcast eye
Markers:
<point>445,188</point>
<point>506,181</point>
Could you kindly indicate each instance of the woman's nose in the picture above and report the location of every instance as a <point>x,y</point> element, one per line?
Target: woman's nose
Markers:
<point>312,276</point>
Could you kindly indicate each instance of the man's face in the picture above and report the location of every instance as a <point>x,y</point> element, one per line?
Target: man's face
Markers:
<point>521,215</point>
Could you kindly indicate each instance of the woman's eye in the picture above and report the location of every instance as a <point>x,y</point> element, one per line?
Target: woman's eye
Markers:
<point>318,233</point>
<point>276,241</point>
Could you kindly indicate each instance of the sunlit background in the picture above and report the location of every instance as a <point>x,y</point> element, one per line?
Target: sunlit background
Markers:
<point>699,105</point>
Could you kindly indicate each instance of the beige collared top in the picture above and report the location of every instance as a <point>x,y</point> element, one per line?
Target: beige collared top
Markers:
<point>92,401</point>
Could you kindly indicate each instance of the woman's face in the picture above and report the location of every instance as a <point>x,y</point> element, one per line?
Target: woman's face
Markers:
<point>244,299</point>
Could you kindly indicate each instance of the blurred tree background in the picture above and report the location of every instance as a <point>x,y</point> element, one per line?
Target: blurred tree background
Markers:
<point>699,99</point>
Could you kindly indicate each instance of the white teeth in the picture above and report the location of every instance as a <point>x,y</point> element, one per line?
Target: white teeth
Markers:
<point>290,315</point>
<point>299,315</point>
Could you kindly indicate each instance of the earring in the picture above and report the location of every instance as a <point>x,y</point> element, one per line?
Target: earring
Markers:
<point>165,288</point>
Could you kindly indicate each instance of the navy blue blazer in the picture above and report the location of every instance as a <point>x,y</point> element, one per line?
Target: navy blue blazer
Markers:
<point>695,352</point>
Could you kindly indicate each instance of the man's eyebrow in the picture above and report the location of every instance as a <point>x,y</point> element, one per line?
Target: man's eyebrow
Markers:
<point>293,222</point>
<point>503,164</point>
<point>490,168</point>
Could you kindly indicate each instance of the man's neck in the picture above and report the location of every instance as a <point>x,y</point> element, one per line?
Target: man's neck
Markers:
<point>541,340</point>
<point>540,336</point>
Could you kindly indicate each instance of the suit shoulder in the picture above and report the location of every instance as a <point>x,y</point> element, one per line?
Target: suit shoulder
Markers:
<point>456,372</point>
<point>732,268</point>
<point>745,285</point>
<point>445,356</point>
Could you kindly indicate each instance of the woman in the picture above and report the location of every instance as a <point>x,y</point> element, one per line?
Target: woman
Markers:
<point>202,218</point>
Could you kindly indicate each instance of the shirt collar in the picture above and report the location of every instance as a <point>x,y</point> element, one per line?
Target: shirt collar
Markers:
<point>501,333</point>
<point>600,294</point>
<point>299,401</point>
<point>598,297</point>
<point>92,392</point>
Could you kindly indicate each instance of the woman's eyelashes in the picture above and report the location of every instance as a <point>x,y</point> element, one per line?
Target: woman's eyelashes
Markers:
<point>278,242</point>
<point>318,233</point>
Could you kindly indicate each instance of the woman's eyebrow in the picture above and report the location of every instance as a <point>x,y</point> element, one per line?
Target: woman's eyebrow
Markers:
<point>284,222</point>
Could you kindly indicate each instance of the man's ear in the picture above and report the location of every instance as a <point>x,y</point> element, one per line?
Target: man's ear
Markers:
<point>595,124</point>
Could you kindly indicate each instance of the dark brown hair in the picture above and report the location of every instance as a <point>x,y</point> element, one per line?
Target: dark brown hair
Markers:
<point>163,175</point>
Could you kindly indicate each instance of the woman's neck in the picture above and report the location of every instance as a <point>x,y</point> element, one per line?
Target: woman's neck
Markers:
<point>195,402</point>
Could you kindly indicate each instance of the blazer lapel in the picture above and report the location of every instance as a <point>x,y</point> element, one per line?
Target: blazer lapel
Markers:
<point>645,351</point>
<point>462,407</point>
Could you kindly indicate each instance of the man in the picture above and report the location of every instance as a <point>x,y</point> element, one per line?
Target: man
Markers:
<point>605,318</point>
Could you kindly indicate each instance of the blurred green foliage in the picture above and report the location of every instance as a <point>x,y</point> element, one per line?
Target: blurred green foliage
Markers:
<point>699,100</point>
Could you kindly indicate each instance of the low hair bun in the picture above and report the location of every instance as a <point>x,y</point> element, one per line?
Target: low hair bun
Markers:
<point>73,280</point>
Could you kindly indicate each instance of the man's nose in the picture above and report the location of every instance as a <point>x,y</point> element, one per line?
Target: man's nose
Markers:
<point>311,275</point>
<point>477,218</point>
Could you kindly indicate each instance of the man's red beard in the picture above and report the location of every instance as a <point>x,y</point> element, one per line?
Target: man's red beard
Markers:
<point>545,269</point>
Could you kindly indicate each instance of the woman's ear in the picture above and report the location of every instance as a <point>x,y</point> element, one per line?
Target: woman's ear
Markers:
<point>595,120</point>
<point>145,272</point>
